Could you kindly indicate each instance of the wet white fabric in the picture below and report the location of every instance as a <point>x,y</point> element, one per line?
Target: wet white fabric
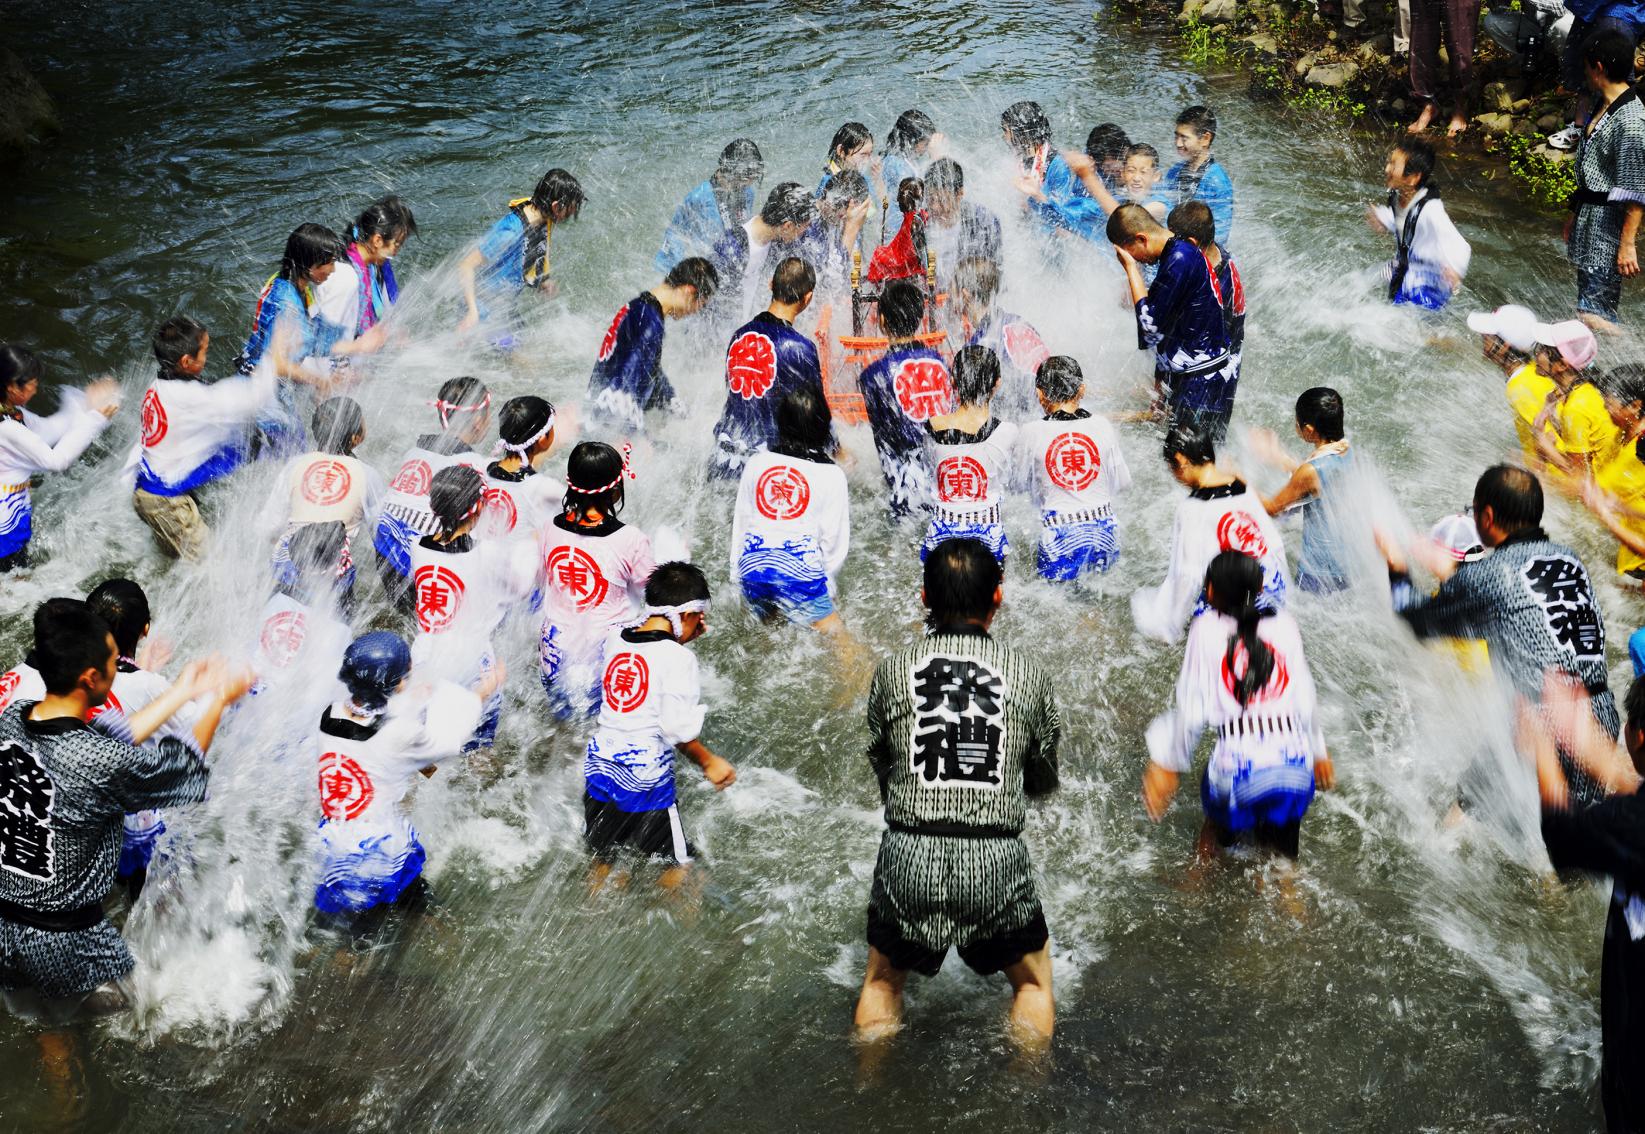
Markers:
<point>462,598</point>
<point>794,510</point>
<point>190,429</point>
<point>1072,466</point>
<point>322,488</point>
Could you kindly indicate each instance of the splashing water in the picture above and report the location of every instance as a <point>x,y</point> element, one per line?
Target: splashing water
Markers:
<point>1427,976</point>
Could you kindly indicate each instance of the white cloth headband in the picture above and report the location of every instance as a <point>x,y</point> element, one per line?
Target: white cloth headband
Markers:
<point>525,446</point>
<point>674,613</point>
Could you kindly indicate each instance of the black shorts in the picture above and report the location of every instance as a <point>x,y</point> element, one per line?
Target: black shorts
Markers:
<point>1279,838</point>
<point>610,830</point>
<point>987,956</point>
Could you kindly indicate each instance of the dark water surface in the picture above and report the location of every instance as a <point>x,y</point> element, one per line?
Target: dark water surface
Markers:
<point>1423,979</point>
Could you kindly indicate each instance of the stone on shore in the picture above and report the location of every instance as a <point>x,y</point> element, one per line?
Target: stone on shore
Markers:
<point>1548,123</point>
<point>1218,12</point>
<point>1190,10</point>
<point>1495,122</point>
<point>1332,74</point>
<point>1263,42</point>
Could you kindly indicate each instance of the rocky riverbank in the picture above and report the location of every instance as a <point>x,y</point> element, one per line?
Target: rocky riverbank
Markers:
<point>27,115</point>
<point>1289,52</point>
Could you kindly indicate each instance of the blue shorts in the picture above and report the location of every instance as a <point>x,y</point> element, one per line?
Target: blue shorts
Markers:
<point>1599,293</point>
<point>990,534</point>
<point>340,892</point>
<point>1068,551</point>
<point>1272,796</point>
<point>572,683</point>
<point>137,848</point>
<point>796,598</point>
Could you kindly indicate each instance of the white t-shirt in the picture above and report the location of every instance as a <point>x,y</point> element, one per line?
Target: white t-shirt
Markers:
<point>972,476</point>
<point>592,583</point>
<point>462,597</point>
<point>1073,466</point>
<point>794,507</point>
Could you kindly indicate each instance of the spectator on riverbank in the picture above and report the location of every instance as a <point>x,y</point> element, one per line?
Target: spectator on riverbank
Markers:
<point>1461,20</point>
<point>1588,19</point>
<point>1610,184</point>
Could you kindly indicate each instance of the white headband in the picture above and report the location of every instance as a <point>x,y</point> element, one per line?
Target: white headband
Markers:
<point>524,446</point>
<point>673,614</point>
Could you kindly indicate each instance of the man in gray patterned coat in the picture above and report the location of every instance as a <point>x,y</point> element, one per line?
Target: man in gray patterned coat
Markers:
<point>65,787</point>
<point>961,730</point>
<point>1610,182</point>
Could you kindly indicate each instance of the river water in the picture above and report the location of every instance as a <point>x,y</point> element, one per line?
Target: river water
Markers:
<point>1424,977</point>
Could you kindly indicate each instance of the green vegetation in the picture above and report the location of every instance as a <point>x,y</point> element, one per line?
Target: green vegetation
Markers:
<point>1204,45</point>
<point>1547,182</point>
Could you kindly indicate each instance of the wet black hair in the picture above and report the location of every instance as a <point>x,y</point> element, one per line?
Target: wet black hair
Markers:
<point>675,584</point>
<point>337,421</point>
<point>902,306</point>
<point>846,187</point>
<point>741,160</point>
<point>1194,442</point>
<point>18,367</point>
<point>1513,494</point>
<point>1143,149</point>
<point>1129,220</point>
<point>1200,118</point>
<point>308,247</point>
<point>805,424</point>
<point>910,194</point>
<point>1633,707</point>
<point>1107,142</point>
<point>976,374</point>
<point>389,218</point>
<point>789,203</point>
<point>847,138</point>
<point>557,187</point>
<point>961,576</point>
<point>454,496</point>
<point>523,417</point>
<point>1624,384</point>
<point>124,609</point>
<point>1028,125</point>
<point>1233,583</point>
<point>1192,220</point>
<point>945,176</point>
<point>912,128</point>
<point>1613,51</point>
<point>69,639</point>
<point>980,278</point>
<point>1321,407</point>
<point>593,480</point>
<point>1059,378</point>
<point>315,549</point>
<point>461,399</point>
<point>1419,157</point>
<point>176,339</point>
<point>793,280</point>
<point>695,272</point>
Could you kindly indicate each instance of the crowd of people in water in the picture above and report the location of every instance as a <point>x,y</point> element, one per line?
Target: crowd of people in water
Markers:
<point>483,522</point>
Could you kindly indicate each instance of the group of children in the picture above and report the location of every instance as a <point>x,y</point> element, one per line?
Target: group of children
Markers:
<point>466,543</point>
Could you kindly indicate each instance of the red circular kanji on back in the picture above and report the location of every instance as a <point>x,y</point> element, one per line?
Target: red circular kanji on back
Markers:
<point>9,681</point>
<point>961,478</point>
<point>154,419</point>
<point>609,343</point>
<point>1238,531</point>
<point>439,597</point>
<point>1277,680</point>
<point>283,636</point>
<point>575,574</point>
<point>782,493</point>
<point>413,478</point>
<point>1024,347</point>
<point>500,514</point>
<point>751,365</point>
<point>345,788</point>
<point>326,483</point>
<point>1072,461</point>
<point>923,388</point>
<point>627,681</point>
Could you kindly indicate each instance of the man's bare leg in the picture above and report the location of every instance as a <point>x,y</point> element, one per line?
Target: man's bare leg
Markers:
<point>879,1007</point>
<point>1033,1007</point>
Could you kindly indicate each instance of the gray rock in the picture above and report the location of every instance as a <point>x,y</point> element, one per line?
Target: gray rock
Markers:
<point>1521,105</point>
<point>27,114</point>
<point>1399,106</point>
<point>1496,96</point>
<point>1190,10</point>
<point>1218,12</point>
<point>1524,126</point>
<point>1306,63</point>
<point>1548,123</point>
<point>1494,122</point>
<point>1263,42</point>
<point>1558,157</point>
<point>1332,74</point>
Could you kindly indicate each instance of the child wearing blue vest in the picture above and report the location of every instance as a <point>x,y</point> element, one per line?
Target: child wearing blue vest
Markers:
<point>628,376</point>
<point>513,256</point>
<point>723,202</point>
<point>1318,488</point>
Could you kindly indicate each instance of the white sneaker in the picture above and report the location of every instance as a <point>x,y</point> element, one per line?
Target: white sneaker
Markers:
<point>1566,139</point>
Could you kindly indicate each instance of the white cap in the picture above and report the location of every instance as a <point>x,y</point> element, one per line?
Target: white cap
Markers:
<point>1513,324</point>
<point>1458,537</point>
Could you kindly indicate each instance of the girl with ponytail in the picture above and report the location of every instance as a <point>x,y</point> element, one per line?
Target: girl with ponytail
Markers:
<point>1244,675</point>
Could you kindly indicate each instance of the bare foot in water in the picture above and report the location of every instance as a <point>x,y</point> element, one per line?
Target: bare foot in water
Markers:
<point>1424,120</point>
<point>1458,124</point>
